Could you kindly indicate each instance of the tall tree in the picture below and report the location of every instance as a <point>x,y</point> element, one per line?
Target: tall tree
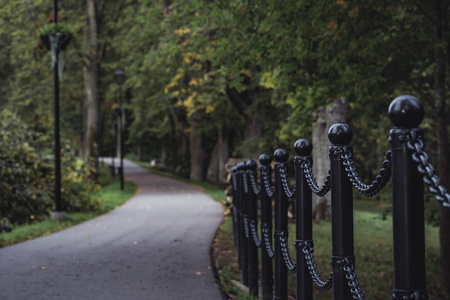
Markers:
<point>102,18</point>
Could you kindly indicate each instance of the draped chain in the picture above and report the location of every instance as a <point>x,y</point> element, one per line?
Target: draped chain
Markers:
<point>266,230</point>
<point>284,180</point>
<point>283,236</point>
<point>253,182</point>
<point>308,250</point>
<point>255,233</point>
<point>309,175</point>
<point>266,181</point>
<point>380,181</point>
<point>415,144</point>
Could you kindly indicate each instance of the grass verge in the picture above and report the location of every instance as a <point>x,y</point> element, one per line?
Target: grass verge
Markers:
<point>111,194</point>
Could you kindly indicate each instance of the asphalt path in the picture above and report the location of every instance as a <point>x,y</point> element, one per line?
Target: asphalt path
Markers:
<point>155,246</point>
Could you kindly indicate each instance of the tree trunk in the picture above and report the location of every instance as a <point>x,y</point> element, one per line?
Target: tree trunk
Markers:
<point>196,151</point>
<point>217,172</point>
<point>442,139</point>
<point>326,117</point>
<point>90,73</point>
<point>91,85</point>
<point>253,127</point>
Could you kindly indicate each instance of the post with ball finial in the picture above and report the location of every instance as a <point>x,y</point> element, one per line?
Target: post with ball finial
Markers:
<point>406,113</point>
<point>281,287</point>
<point>340,135</point>
<point>303,218</point>
<point>266,227</point>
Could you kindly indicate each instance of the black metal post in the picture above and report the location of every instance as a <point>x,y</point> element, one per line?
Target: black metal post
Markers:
<point>245,232</point>
<point>281,280</point>
<point>113,167</point>
<point>237,206</point>
<point>406,113</point>
<point>303,218</point>
<point>266,220</point>
<point>252,216</point>
<point>58,205</point>
<point>121,138</point>
<point>242,251</point>
<point>340,135</point>
<point>233,207</point>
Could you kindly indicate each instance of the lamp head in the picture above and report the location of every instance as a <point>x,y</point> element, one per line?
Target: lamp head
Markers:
<point>119,76</point>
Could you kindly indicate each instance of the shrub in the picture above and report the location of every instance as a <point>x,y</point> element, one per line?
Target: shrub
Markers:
<point>27,175</point>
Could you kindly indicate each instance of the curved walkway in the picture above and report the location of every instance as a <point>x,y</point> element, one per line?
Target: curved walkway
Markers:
<point>155,246</point>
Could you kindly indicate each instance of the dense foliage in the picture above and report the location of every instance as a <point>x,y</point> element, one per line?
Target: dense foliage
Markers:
<point>27,175</point>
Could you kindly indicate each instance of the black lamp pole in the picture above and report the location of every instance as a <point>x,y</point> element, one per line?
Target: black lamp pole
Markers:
<point>56,122</point>
<point>120,76</point>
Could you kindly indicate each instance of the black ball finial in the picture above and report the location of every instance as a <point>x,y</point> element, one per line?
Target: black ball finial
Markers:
<point>265,159</point>
<point>406,112</point>
<point>251,165</point>
<point>281,155</point>
<point>240,166</point>
<point>340,134</point>
<point>303,147</point>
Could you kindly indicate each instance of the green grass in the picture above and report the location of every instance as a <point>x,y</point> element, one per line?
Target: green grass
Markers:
<point>111,194</point>
<point>114,196</point>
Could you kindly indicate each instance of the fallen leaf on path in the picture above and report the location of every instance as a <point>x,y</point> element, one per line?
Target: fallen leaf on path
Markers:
<point>198,273</point>
<point>42,268</point>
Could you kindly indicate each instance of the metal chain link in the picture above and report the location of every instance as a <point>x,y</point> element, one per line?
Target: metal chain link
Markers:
<point>353,283</point>
<point>308,250</point>
<point>284,182</point>
<point>415,144</point>
<point>309,175</point>
<point>255,233</point>
<point>285,251</point>
<point>265,230</point>
<point>245,220</point>
<point>244,182</point>
<point>380,181</point>
<point>266,181</point>
<point>253,182</point>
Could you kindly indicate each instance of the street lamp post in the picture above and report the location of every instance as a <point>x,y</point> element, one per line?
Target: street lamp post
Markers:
<point>120,77</point>
<point>113,135</point>
<point>113,168</point>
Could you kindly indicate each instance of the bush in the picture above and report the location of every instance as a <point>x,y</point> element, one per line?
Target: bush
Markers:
<point>27,175</point>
